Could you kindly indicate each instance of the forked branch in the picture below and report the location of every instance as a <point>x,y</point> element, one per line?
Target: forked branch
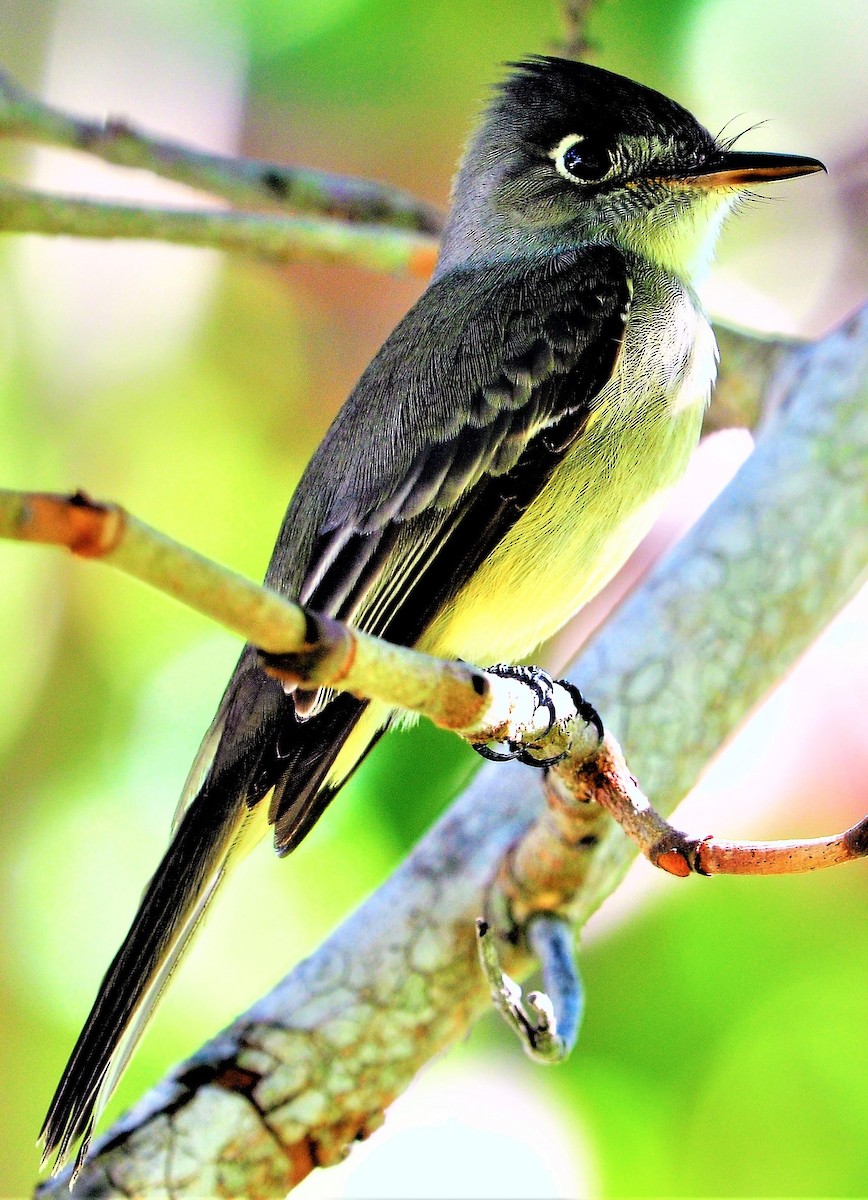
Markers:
<point>309,650</point>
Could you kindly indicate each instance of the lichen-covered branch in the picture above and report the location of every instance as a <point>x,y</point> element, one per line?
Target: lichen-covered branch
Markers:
<point>241,181</point>
<point>312,1066</point>
<point>275,239</point>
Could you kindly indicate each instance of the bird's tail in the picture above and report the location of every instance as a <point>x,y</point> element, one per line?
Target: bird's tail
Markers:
<point>222,815</point>
<point>171,907</point>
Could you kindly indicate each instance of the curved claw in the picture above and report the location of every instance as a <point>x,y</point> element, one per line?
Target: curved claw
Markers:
<point>511,755</point>
<point>584,707</point>
<point>542,763</point>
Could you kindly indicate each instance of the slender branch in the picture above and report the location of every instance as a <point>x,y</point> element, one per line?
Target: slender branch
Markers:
<point>713,856</point>
<point>243,182</point>
<point>303,648</point>
<point>603,780</point>
<point>312,1065</point>
<point>275,239</point>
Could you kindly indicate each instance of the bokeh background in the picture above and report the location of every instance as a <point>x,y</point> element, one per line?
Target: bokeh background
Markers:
<point>724,1051</point>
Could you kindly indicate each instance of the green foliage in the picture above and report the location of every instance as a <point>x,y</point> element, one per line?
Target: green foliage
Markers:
<point>723,1052</point>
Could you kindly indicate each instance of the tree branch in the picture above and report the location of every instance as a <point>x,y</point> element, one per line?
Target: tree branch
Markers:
<point>241,181</point>
<point>302,648</point>
<point>311,1066</point>
<point>274,239</point>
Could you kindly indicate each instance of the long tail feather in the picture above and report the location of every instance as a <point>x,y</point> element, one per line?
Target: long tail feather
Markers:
<point>171,907</point>
<point>255,747</point>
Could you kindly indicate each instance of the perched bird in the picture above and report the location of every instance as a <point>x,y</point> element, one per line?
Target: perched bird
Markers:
<point>495,464</point>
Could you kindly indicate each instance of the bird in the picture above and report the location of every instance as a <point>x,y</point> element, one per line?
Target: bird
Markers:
<point>498,460</point>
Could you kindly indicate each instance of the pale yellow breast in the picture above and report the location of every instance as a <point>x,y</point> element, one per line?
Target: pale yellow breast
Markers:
<point>603,497</point>
<point>596,507</point>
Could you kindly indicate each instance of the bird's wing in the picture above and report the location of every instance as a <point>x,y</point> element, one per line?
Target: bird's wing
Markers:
<point>452,431</point>
<point>490,376</point>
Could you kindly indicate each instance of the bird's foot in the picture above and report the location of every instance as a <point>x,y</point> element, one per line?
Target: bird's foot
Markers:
<point>542,685</point>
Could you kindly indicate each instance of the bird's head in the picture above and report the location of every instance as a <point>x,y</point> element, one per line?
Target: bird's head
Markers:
<point>568,152</point>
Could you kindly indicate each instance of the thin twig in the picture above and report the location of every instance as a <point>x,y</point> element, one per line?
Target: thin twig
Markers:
<point>275,239</point>
<point>243,182</point>
<point>604,779</point>
<point>304,648</point>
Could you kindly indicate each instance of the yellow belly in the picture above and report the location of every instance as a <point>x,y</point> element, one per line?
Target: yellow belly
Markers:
<point>597,506</point>
<point>587,520</point>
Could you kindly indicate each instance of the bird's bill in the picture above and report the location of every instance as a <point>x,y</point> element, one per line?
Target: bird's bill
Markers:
<point>738,168</point>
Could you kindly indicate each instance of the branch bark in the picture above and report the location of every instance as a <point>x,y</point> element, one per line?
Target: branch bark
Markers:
<point>311,1067</point>
<point>355,221</point>
<point>277,240</point>
<point>302,648</point>
<point>241,181</point>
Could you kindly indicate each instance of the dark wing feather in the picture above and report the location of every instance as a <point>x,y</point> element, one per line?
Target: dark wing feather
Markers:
<point>489,361</point>
<point>471,404</point>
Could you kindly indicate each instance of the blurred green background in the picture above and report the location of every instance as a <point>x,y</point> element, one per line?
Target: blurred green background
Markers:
<point>724,1051</point>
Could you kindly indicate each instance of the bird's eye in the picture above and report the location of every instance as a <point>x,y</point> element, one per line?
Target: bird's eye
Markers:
<point>580,160</point>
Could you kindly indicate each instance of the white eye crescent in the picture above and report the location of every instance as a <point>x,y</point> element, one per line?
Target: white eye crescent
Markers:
<point>580,160</point>
<point>558,152</point>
